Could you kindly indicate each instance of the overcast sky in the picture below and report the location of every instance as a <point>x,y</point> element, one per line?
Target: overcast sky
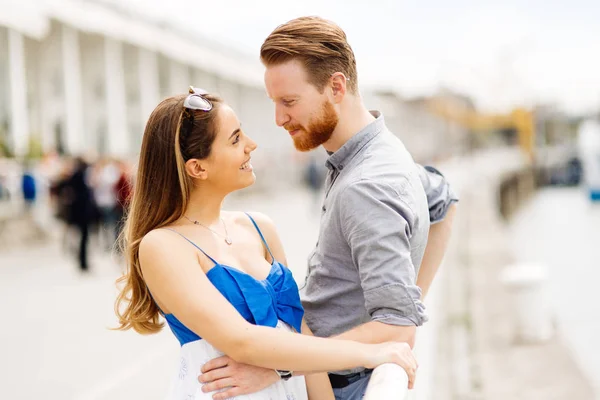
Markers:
<point>502,53</point>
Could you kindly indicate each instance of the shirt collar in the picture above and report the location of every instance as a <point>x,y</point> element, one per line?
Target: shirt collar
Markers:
<point>347,152</point>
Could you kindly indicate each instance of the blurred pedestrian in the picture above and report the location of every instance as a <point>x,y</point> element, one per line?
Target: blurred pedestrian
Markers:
<point>106,175</point>
<point>123,189</point>
<point>81,208</point>
<point>28,188</point>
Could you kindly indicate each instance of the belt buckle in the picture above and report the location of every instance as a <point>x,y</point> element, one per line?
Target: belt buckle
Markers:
<point>341,381</point>
<point>338,381</point>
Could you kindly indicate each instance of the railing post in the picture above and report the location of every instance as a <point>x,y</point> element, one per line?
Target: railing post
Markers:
<point>388,381</point>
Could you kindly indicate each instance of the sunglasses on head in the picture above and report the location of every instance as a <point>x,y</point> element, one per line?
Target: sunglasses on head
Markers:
<point>196,100</point>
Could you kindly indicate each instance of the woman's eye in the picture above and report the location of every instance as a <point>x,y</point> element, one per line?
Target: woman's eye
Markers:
<point>237,139</point>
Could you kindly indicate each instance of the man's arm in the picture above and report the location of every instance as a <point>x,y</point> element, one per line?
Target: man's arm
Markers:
<point>441,200</point>
<point>437,243</point>
<point>378,223</point>
<point>440,195</point>
<point>377,332</point>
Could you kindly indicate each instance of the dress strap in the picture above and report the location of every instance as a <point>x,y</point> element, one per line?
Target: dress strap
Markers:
<point>261,235</point>
<point>194,244</point>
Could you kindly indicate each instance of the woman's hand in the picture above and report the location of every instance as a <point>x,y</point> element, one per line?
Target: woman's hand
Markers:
<point>397,353</point>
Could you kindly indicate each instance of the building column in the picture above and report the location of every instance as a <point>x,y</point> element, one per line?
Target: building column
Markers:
<point>44,90</point>
<point>94,81</point>
<point>19,120</point>
<point>148,83</point>
<point>116,101</point>
<point>74,128</point>
<point>34,98</point>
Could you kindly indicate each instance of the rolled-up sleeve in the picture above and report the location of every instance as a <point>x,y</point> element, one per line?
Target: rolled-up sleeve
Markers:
<point>377,224</point>
<point>440,194</point>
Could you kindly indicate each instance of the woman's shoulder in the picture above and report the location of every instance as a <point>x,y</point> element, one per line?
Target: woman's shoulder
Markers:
<point>160,240</point>
<point>267,227</point>
<point>242,218</point>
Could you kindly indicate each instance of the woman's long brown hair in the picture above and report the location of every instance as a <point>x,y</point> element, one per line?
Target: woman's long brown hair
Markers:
<point>173,135</point>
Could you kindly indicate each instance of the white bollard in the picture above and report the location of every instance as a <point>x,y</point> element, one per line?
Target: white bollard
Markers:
<point>528,284</point>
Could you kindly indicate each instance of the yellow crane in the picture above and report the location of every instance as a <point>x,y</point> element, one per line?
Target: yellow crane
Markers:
<point>520,119</point>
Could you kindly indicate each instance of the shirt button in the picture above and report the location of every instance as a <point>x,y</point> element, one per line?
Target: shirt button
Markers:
<point>324,209</point>
<point>341,167</point>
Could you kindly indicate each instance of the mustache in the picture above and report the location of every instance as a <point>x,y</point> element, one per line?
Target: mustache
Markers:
<point>292,127</point>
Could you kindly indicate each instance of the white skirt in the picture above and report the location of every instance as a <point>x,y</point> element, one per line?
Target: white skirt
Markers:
<point>194,355</point>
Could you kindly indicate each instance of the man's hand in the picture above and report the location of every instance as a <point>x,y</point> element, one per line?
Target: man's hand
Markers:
<point>223,372</point>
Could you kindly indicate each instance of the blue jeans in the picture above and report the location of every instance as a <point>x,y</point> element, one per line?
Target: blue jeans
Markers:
<point>354,391</point>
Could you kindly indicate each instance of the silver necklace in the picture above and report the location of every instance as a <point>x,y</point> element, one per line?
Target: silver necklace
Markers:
<point>226,238</point>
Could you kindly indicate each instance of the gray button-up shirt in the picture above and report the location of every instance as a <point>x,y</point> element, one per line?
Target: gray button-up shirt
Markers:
<point>374,227</point>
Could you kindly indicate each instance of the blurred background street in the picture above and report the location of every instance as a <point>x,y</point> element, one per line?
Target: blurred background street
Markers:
<point>502,97</point>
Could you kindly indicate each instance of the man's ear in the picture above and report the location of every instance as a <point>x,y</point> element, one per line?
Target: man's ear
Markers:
<point>194,169</point>
<point>338,86</point>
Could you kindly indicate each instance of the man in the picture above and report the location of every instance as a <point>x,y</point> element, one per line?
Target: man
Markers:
<point>361,282</point>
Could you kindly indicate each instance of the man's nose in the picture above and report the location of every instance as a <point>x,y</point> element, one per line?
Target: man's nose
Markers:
<point>281,116</point>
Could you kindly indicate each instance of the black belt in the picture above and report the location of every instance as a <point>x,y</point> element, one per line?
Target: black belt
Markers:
<point>341,381</point>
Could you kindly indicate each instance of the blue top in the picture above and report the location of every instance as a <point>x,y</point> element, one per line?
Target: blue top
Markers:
<point>260,302</point>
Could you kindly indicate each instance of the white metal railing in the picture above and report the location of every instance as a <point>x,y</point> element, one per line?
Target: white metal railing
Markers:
<point>388,381</point>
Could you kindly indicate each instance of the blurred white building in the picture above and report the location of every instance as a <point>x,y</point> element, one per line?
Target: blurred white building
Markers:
<point>82,76</point>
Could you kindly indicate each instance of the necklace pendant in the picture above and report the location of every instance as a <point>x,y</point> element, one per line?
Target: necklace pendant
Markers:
<point>228,241</point>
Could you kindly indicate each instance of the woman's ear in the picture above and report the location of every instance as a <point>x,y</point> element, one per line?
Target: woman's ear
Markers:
<point>195,170</point>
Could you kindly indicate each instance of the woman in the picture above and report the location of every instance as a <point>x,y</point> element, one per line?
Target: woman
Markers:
<point>219,277</point>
